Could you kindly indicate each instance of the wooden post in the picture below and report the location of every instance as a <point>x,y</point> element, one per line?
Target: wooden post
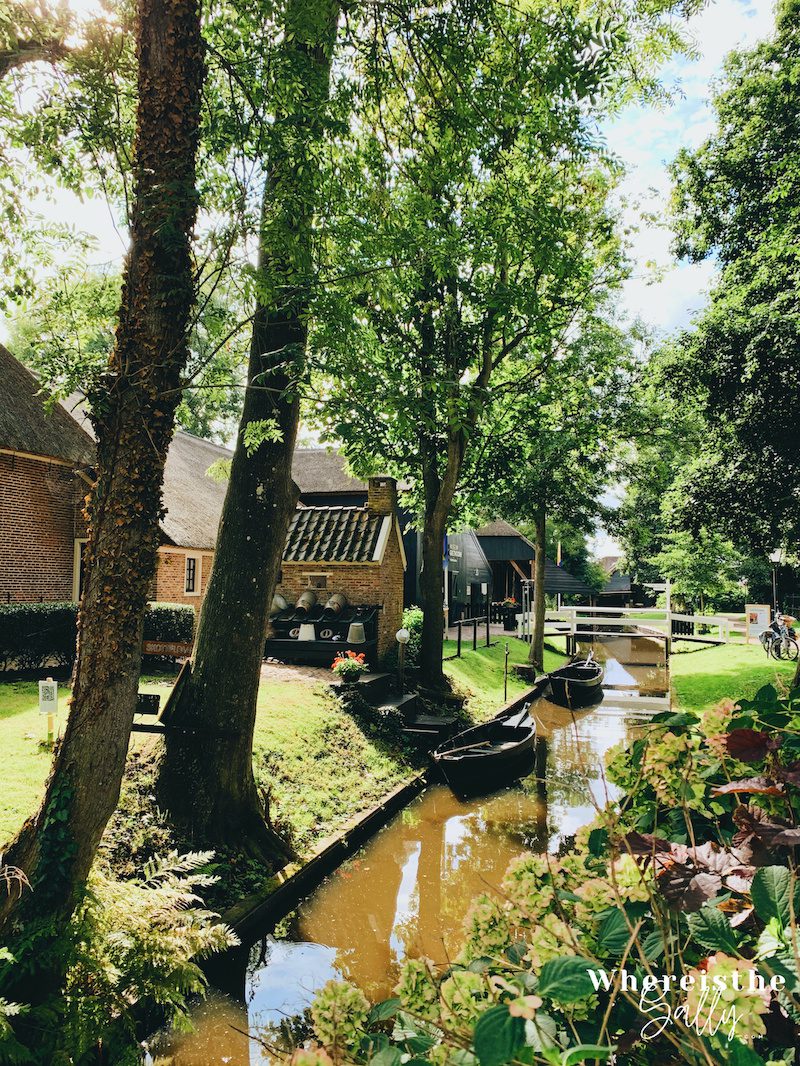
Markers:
<point>488,632</point>
<point>474,634</point>
<point>505,677</point>
<point>458,649</point>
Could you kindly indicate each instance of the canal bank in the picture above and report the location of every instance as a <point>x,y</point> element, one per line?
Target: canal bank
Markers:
<point>405,892</point>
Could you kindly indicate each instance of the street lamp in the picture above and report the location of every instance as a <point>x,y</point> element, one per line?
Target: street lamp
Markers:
<point>402,636</point>
<point>776,558</point>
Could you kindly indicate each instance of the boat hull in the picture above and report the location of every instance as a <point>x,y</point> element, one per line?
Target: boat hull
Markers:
<point>577,685</point>
<point>489,756</point>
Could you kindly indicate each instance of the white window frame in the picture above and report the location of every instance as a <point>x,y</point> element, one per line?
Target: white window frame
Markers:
<point>198,573</point>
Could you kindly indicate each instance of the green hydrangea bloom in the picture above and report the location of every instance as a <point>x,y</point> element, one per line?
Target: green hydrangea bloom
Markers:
<point>339,1012</point>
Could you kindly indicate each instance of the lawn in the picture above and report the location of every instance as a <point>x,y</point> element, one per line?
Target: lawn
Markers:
<point>321,766</point>
<point>703,676</point>
<point>479,674</point>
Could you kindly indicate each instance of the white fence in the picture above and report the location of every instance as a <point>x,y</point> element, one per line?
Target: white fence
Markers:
<point>643,621</point>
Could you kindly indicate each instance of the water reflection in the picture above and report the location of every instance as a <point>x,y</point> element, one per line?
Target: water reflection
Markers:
<point>407,891</point>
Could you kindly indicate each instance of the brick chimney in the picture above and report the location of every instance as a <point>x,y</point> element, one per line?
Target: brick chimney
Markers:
<point>382,495</point>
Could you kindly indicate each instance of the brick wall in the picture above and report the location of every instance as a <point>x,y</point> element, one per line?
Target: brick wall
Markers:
<point>40,504</point>
<point>362,583</point>
<point>170,581</point>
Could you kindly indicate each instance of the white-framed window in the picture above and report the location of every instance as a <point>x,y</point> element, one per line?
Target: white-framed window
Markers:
<point>192,575</point>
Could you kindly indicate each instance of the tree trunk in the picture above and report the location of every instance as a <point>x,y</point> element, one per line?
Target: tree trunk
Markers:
<point>205,779</point>
<point>536,654</point>
<point>439,495</point>
<point>134,419</point>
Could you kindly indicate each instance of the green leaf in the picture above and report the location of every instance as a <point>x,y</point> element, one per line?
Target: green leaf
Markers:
<point>565,980</point>
<point>586,1053</point>
<point>712,930</point>
<point>598,842</point>
<point>388,1056</point>
<point>387,1008</point>
<point>772,886</point>
<point>613,932</point>
<point>498,1035</point>
<point>653,945</point>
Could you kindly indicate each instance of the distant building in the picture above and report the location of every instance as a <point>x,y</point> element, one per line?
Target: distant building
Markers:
<point>617,592</point>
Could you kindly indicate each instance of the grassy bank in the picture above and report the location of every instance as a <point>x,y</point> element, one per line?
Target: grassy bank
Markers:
<point>479,674</point>
<point>702,676</point>
<point>319,764</point>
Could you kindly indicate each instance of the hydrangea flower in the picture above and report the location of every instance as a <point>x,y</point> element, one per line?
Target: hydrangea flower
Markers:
<point>731,1010</point>
<point>488,930</point>
<point>548,940</point>
<point>339,1012</point>
<point>417,989</point>
<point>715,724</point>
<point>464,995</point>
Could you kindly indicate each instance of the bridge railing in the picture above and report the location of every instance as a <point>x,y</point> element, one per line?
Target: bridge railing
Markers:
<point>646,621</point>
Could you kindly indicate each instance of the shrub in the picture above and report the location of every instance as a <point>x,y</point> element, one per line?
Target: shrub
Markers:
<point>37,635</point>
<point>131,946</point>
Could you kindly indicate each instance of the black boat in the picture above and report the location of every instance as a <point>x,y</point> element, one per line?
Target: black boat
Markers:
<point>578,684</point>
<point>489,756</point>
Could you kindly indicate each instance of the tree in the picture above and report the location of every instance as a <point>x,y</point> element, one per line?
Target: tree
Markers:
<point>133,413</point>
<point>65,333</point>
<point>210,789</point>
<point>704,569</point>
<point>738,198</point>
<point>559,462</point>
<point>475,230</point>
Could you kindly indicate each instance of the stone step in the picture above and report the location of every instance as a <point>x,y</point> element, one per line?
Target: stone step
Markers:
<point>372,687</point>
<point>406,704</point>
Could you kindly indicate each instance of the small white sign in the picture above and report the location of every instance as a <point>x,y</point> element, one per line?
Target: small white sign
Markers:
<point>48,696</point>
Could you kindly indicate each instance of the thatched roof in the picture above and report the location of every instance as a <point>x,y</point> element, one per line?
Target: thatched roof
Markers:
<point>193,499</point>
<point>27,426</point>
<point>317,471</point>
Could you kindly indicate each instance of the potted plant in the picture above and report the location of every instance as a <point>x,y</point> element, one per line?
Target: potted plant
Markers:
<point>350,666</point>
<point>510,609</point>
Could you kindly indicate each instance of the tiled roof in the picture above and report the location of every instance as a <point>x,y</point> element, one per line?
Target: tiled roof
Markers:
<point>333,534</point>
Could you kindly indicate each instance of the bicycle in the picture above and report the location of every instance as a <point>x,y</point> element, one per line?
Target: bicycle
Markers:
<point>779,639</point>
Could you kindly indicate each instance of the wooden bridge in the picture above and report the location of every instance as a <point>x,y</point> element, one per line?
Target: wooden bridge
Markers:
<point>584,623</point>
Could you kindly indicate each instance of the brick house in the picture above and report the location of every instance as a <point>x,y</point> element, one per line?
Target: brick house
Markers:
<point>46,458</point>
<point>356,551</point>
<point>45,464</point>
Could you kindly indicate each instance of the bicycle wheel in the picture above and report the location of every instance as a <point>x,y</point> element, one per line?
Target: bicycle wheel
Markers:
<point>776,648</point>
<point>790,650</point>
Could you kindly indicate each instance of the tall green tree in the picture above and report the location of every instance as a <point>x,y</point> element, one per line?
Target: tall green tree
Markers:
<point>738,198</point>
<point>133,413</point>
<point>477,228</point>
<point>560,460</point>
<point>209,788</point>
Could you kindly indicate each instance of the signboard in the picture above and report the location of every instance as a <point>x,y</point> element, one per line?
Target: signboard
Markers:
<point>756,620</point>
<point>173,649</point>
<point>48,697</point>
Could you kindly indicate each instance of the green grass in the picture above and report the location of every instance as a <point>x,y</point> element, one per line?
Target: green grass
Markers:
<point>322,767</point>
<point>703,676</point>
<point>479,673</point>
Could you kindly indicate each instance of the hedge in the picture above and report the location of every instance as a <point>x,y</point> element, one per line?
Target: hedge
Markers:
<point>36,635</point>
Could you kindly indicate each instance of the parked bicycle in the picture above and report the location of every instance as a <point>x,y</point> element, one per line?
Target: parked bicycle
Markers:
<point>779,640</point>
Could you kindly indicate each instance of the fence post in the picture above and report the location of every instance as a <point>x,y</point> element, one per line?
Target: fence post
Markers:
<point>458,648</point>
<point>488,631</point>
<point>474,634</point>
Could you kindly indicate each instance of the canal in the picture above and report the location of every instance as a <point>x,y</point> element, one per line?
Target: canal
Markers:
<point>405,892</point>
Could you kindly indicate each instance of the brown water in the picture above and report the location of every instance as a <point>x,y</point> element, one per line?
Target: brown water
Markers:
<point>407,890</point>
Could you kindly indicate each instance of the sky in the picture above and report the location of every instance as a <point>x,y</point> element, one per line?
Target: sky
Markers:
<point>647,140</point>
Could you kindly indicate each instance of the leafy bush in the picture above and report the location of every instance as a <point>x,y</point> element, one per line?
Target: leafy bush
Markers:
<point>37,635</point>
<point>690,874</point>
<point>132,945</point>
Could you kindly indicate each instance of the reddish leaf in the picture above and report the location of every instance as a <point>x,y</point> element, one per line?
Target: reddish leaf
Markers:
<point>789,838</point>
<point>760,786</point>
<point>747,745</point>
<point>646,844</point>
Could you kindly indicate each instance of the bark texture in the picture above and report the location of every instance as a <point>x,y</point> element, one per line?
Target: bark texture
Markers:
<point>205,780</point>
<point>134,420</point>
<point>536,654</point>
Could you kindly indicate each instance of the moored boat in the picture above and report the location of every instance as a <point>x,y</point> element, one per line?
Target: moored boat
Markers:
<point>578,684</point>
<point>491,755</point>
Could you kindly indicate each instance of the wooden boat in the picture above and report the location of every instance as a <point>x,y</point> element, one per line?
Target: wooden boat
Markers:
<point>488,756</point>
<point>578,684</point>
